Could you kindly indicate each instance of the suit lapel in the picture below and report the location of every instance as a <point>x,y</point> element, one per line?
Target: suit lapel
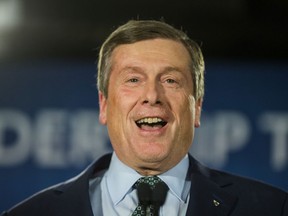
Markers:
<point>206,196</point>
<point>74,194</point>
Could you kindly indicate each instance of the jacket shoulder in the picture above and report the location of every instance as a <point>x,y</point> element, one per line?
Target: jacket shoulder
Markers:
<point>252,194</point>
<point>241,183</point>
<point>37,203</point>
<point>67,198</point>
<point>52,200</point>
<point>251,197</point>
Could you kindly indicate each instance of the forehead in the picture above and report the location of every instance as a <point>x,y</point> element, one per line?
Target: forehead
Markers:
<point>155,50</point>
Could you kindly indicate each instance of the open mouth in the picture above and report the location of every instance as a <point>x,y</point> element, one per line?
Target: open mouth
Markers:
<point>152,122</point>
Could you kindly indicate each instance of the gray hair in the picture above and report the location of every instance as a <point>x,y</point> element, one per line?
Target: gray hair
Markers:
<point>138,30</point>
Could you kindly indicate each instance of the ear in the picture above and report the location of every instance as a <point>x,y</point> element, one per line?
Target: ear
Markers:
<point>198,109</point>
<point>102,108</point>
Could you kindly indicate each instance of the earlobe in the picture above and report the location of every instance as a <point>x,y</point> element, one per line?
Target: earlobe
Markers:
<point>102,108</point>
<point>198,109</point>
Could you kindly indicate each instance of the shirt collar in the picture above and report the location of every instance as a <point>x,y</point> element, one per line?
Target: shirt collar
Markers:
<point>176,179</point>
<point>121,177</point>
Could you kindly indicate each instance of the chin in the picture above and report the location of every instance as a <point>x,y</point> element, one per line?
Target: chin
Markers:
<point>154,155</point>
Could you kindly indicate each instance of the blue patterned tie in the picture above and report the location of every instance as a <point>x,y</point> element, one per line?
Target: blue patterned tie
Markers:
<point>149,186</point>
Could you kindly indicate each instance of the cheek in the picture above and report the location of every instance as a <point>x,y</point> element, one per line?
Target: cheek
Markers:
<point>128,98</point>
<point>191,105</point>
<point>129,93</point>
<point>121,103</point>
<point>186,107</point>
<point>186,118</point>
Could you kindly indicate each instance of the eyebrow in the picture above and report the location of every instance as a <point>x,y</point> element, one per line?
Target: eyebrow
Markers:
<point>164,70</point>
<point>170,69</point>
<point>132,68</point>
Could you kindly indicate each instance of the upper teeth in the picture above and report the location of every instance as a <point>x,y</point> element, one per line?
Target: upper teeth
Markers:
<point>149,120</point>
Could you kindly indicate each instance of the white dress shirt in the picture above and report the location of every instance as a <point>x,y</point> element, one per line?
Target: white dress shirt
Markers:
<point>113,193</point>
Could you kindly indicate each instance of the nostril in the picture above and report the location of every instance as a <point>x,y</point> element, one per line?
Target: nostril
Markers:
<point>145,101</point>
<point>152,103</point>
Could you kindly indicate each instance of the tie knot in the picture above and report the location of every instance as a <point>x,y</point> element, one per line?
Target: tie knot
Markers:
<point>152,181</point>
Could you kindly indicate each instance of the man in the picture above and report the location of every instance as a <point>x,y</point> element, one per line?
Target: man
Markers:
<point>151,87</point>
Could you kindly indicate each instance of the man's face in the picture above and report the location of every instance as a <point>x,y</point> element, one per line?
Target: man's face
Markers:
<point>150,110</point>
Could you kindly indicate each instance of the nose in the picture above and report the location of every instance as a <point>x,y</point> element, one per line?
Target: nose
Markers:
<point>153,93</point>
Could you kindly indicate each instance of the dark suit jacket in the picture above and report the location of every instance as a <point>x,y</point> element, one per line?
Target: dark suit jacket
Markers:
<point>212,193</point>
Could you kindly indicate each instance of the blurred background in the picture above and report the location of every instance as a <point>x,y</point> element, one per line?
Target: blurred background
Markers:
<point>49,128</point>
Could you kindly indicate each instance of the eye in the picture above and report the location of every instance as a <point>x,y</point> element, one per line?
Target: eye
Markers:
<point>133,80</point>
<point>171,81</point>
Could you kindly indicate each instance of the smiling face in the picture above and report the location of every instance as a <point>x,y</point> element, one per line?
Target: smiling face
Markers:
<point>150,110</point>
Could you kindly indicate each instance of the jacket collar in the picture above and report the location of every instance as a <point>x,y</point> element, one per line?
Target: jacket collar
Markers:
<point>74,193</point>
<point>207,194</point>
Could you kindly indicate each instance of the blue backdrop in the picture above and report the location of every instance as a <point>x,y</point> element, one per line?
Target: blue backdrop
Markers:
<point>49,128</point>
